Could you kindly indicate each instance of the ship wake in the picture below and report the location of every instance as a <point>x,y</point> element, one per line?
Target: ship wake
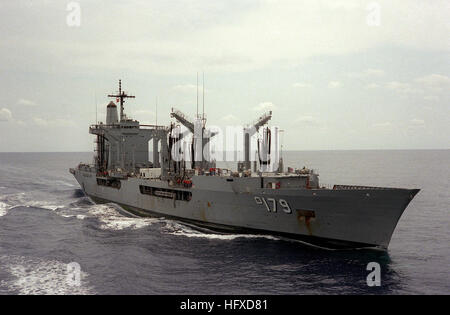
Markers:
<point>31,275</point>
<point>187,230</point>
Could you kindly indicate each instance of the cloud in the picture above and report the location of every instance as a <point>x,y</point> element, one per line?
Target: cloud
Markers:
<point>26,102</point>
<point>398,86</point>
<point>367,73</point>
<point>40,122</point>
<point>57,122</point>
<point>382,124</point>
<point>431,98</point>
<point>180,37</point>
<point>145,112</point>
<point>374,72</point>
<point>403,88</point>
<point>372,86</point>
<point>265,106</point>
<point>334,84</point>
<point>144,116</point>
<point>302,85</point>
<point>296,46</point>
<point>307,120</point>
<point>189,89</point>
<point>417,122</point>
<point>434,81</point>
<point>185,88</point>
<point>229,118</point>
<point>5,114</point>
<point>430,84</point>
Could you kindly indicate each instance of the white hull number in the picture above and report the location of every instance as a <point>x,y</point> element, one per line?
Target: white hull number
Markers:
<point>271,204</point>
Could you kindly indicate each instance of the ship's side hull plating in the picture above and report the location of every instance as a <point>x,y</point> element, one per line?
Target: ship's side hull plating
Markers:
<point>331,218</point>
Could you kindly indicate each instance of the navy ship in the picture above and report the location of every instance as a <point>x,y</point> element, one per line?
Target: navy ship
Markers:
<point>258,196</point>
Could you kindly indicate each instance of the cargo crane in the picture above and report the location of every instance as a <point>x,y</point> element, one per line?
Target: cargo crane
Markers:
<point>198,160</point>
<point>249,132</point>
<point>183,119</point>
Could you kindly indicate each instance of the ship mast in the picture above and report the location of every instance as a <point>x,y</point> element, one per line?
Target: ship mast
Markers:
<point>121,96</point>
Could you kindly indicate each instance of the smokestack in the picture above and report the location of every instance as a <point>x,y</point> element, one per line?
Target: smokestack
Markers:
<point>111,114</point>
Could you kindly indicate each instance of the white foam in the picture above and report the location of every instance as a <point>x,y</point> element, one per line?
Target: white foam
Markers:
<point>27,200</point>
<point>38,276</point>
<point>43,205</point>
<point>4,208</point>
<point>107,214</point>
<point>15,199</point>
<point>175,228</point>
<point>111,219</point>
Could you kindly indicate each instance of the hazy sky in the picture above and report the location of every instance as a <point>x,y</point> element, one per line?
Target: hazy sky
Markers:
<point>337,74</point>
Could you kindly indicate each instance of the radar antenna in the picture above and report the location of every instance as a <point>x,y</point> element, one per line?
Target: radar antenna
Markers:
<point>120,97</point>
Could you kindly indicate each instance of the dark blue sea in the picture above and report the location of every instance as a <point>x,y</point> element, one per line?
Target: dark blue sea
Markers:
<point>46,222</point>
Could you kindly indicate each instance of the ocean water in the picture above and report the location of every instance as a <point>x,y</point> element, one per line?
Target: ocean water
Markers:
<point>46,222</point>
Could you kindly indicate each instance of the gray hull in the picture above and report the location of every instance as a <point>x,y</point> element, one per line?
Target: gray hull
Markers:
<point>336,218</point>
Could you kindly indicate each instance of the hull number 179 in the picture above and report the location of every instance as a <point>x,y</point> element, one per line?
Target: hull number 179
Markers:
<point>271,204</point>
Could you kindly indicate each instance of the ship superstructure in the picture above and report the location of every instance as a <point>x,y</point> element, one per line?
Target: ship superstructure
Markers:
<point>258,196</point>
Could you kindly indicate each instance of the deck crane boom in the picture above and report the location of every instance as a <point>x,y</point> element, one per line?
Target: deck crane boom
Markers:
<point>183,119</point>
<point>249,131</point>
<point>205,136</point>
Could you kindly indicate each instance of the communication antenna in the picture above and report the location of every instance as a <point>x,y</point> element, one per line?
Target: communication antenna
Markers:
<point>197,94</point>
<point>203,89</point>
<point>156,115</point>
<point>120,97</point>
<point>95,99</point>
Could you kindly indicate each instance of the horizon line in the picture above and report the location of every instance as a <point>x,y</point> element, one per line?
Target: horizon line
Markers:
<point>308,150</point>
